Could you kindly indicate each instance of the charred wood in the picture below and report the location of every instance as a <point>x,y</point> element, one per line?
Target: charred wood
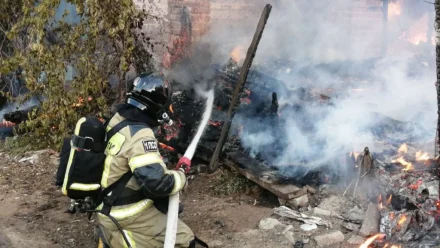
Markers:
<point>243,76</point>
<point>299,175</point>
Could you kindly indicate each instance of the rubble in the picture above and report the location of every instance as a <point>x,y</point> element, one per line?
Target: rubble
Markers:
<point>351,226</point>
<point>308,227</point>
<point>310,190</point>
<point>431,188</point>
<point>289,236</point>
<point>302,201</point>
<point>370,226</point>
<point>355,240</point>
<point>356,214</point>
<point>288,228</point>
<point>268,224</point>
<point>32,159</point>
<point>289,213</point>
<point>329,239</point>
<point>331,203</point>
<point>322,212</point>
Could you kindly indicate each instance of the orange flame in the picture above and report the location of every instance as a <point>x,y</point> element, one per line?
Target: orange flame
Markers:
<point>379,200</point>
<point>418,32</point>
<point>370,240</point>
<point>394,9</point>
<point>403,148</point>
<point>392,246</point>
<point>402,219</point>
<point>408,166</point>
<point>355,155</point>
<point>389,199</point>
<point>237,54</point>
<point>392,215</point>
<point>416,39</point>
<point>422,156</point>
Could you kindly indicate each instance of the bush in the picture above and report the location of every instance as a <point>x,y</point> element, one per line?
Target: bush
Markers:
<point>98,43</point>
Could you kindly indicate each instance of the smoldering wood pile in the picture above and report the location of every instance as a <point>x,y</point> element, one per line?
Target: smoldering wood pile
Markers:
<point>407,201</point>
<point>403,188</point>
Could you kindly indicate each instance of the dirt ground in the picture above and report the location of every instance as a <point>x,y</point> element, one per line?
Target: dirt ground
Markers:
<point>33,209</point>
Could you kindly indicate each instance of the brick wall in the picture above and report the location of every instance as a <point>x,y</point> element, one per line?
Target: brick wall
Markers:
<point>200,15</point>
<point>155,30</point>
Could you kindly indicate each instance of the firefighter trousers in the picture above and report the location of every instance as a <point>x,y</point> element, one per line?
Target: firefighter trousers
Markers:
<point>143,230</point>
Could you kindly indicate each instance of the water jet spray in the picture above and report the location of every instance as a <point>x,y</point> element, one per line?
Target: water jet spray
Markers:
<point>173,205</point>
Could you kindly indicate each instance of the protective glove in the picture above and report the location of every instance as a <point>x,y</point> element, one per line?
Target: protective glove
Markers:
<point>184,163</point>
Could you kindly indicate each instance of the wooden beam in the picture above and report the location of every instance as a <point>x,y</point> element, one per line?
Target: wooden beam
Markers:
<point>437,59</point>
<point>282,191</point>
<point>239,86</point>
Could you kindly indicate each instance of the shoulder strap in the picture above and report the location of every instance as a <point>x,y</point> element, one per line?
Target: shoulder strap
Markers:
<point>121,125</point>
<point>116,189</point>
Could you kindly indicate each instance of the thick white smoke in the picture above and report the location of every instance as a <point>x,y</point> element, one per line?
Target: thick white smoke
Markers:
<point>399,85</point>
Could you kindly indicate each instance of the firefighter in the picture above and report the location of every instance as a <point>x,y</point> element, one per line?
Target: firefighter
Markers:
<point>135,148</point>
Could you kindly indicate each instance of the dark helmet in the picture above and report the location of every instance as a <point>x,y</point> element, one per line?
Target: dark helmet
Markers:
<point>151,94</point>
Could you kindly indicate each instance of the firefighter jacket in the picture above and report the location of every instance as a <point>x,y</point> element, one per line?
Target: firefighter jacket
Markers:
<point>135,148</point>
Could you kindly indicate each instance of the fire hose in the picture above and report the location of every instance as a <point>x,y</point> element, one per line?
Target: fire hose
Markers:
<point>173,205</point>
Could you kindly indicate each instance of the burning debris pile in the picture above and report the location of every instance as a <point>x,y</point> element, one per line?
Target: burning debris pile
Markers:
<point>409,205</point>
<point>404,199</point>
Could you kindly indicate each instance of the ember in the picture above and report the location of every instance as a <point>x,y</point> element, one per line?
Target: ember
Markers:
<point>371,240</point>
<point>392,216</point>
<point>215,123</point>
<point>416,185</point>
<point>402,219</point>
<point>392,246</point>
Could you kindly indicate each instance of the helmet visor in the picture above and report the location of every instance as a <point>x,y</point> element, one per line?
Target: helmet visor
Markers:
<point>154,88</point>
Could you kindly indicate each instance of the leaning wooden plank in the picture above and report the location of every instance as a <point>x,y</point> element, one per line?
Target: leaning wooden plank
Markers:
<point>283,191</point>
<point>241,81</point>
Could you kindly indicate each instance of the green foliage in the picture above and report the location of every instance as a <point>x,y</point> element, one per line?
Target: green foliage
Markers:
<point>230,183</point>
<point>98,46</point>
